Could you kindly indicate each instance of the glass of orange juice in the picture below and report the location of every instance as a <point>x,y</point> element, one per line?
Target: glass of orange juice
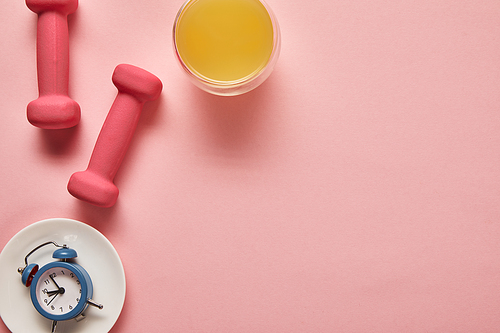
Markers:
<point>227,47</point>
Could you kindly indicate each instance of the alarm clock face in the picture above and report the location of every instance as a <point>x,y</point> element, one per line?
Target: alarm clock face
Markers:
<point>60,291</point>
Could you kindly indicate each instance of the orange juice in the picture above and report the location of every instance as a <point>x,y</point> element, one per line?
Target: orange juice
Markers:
<point>224,40</point>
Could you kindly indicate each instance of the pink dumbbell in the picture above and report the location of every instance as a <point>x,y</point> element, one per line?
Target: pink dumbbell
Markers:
<point>135,87</point>
<point>53,109</point>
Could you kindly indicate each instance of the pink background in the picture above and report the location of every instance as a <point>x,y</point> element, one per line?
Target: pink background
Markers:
<point>356,190</point>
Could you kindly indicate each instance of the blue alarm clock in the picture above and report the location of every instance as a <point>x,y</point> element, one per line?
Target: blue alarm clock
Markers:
<point>60,290</point>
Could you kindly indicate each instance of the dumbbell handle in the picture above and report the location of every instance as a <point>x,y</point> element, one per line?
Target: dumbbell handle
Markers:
<point>52,53</point>
<point>115,136</point>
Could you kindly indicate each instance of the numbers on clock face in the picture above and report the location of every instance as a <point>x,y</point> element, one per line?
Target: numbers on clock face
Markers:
<point>58,290</point>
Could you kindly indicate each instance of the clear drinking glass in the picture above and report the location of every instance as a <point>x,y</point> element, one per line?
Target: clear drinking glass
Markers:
<point>225,46</point>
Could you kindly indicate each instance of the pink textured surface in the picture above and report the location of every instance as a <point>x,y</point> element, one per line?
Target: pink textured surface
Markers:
<point>357,190</point>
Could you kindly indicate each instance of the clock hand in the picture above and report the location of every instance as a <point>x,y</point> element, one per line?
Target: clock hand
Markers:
<point>50,276</point>
<point>53,298</point>
<point>60,290</point>
<point>53,292</point>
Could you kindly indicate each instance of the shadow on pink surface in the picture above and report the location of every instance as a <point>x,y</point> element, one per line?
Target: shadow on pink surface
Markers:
<point>237,126</point>
<point>59,142</point>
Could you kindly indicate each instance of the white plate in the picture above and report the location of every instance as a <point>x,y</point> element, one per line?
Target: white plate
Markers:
<point>95,254</point>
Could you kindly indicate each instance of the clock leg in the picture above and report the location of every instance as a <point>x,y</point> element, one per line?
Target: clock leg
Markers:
<point>54,325</point>
<point>80,317</point>
<point>97,305</point>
